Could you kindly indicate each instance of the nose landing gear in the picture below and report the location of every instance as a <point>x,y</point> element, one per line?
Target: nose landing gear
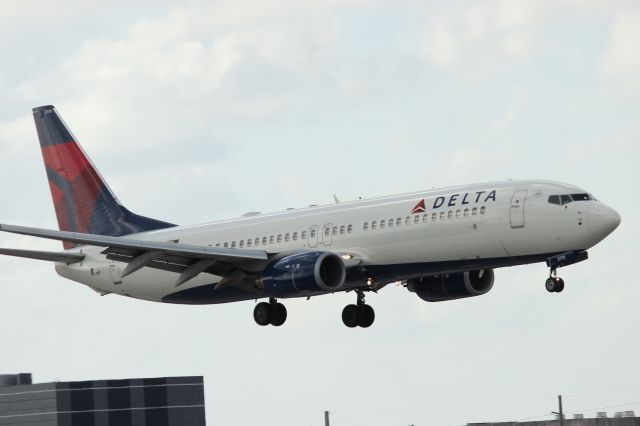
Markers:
<point>554,284</point>
<point>273,313</point>
<point>358,315</point>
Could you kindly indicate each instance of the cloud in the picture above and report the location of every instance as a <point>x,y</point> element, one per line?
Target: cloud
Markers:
<point>440,43</point>
<point>620,63</point>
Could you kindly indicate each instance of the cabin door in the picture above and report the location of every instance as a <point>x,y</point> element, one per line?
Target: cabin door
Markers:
<point>516,211</point>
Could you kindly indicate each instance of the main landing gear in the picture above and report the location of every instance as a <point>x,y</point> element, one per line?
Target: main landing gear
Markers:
<point>273,313</point>
<point>554,284</point>
<point>358,315</point>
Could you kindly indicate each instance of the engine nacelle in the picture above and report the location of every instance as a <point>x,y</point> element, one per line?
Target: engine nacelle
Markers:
<point>302,273</point>
<point>452,286</point>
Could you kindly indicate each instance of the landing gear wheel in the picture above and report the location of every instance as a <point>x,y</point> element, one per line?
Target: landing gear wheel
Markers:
<point>279,314</point>
<point>366,316</point>
<point>350,316</point>
<point>550,285</point>
<point>263,313</point>
<point>554,284</point>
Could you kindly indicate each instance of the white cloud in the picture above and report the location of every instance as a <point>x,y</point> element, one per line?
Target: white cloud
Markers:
<point>516,102</point>
<point>440,43</point>
<point>620,63</point>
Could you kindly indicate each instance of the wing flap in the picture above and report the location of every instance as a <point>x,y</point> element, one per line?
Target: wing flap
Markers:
<point>51,256</point>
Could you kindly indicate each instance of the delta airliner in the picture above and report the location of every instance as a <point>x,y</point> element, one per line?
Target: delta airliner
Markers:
<point>440,244</point>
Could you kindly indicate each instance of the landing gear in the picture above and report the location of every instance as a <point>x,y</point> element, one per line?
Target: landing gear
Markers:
<point>358,315</point>
<point>273,313</point>
<point>554,284</point>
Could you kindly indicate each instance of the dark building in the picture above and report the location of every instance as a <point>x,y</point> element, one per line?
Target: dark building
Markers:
<point>164,401</point>
<point>626,418</point>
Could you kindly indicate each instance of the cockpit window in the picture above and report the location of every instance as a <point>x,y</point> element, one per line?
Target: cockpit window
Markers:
<point>566,199</point>
<point>581,197</point>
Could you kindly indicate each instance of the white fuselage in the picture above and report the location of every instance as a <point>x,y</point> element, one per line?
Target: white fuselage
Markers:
<point>455,229</point>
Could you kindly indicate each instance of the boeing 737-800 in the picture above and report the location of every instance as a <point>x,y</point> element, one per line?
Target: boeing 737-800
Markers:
<point>440,244</point>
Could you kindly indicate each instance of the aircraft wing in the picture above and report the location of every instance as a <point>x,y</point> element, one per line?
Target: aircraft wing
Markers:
<point>187,259</point>
<point>51,256</point>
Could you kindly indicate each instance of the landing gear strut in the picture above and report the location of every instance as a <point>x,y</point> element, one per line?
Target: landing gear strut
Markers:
<point>554,284</point>
<point>273,313</point>
<point>358,315</point>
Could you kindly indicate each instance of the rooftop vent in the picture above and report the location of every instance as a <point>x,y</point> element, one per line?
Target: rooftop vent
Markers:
<point>15,379</point>
<point>629,413</point>
<point>578,416</point>
<point>601,414</point>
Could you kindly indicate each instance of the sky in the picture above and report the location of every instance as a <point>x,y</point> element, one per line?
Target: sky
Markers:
<point>196,111</point>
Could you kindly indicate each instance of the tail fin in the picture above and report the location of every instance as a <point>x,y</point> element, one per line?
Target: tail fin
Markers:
<point>82,200</point>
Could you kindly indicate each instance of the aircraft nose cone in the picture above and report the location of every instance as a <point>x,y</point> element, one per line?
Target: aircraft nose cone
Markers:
<point>603,220</point>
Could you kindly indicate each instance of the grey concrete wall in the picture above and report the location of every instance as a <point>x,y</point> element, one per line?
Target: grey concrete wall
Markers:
<point>25,405</point>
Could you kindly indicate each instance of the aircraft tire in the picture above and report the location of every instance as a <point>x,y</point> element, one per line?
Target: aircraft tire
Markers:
<point>263,313</point>
<point>350,316</point>
<point>559,285</point>
<point>279,314</point>
<point>550,285</point>
<point>366,316</point>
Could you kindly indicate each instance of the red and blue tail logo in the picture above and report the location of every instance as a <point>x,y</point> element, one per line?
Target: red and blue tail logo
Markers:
<point>83,202</point>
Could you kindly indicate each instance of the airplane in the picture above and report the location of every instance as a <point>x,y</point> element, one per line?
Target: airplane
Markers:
<point>441,244</point>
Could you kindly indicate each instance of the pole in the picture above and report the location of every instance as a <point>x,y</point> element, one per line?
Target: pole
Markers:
<point>326,418</point>
<point>560,410</point>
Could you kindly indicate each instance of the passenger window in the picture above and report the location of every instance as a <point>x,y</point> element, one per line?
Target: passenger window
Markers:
<point>279,238</point>
<point>450,214</point>
<point>483,209</point>
<point>442,215</point>
<point>286,237</point>
<point>399,221</point>
<point>271,239</point>
<point>342,229</point>
<point>312,233</point>
<point>390,223</point>
<point>264,241</point>
<point>474,211</point>
<point>416,219</point>
<point>217,244</point>
<point>434,217</point>
<point>295,236</point>
<point>554,199</point>
<point>565,199</point>
<point>466,212</point>
<point>303,235</point>
<point>249,243</point>
<point>349,229</point>
<point>226,244</point>
<point>425,217</point>
<point>233,244</point>
<point>373,225</point>
<point>335,230</point>
<point>365,227</point>
<point>408,220</point>
<point>241,243</point>
<point>327,231</point>
<point>458,214</point>
<point>382,224</point>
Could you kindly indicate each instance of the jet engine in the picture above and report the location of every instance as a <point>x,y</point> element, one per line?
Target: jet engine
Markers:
<point>439,288</point>
<point>303,273</point>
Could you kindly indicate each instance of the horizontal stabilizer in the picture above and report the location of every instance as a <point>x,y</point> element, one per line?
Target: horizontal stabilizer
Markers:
<point>51,256</point>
